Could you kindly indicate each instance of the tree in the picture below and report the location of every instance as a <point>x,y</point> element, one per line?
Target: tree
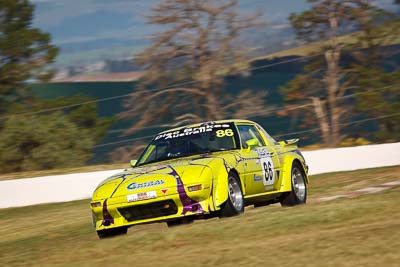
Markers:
<point>53,142</point>
<point>46,139</point>
<point>382,104</point>
<point>322,90</point>
<point>54,139</point>
<point>85,117</point>
<point>25,51</point>
<point>376,73</point>
<point>190,59</point>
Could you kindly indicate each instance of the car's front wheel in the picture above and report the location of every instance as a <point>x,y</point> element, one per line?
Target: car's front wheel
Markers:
<point>235,202</point>
<point>107,233</point>
<point>298,195</point>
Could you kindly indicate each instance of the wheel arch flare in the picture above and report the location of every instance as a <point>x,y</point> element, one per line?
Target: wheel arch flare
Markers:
<point>220,187</point>
<point>289,160</point>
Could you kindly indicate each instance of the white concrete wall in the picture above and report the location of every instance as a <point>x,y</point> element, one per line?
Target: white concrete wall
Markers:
<point>48,189</point>
<point>68,187</point>
<point>352,158</point>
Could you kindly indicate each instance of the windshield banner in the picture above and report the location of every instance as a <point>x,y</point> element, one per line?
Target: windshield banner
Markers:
<point>192,131</point>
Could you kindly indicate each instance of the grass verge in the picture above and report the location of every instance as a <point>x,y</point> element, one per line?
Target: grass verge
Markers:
<point>360,231</point>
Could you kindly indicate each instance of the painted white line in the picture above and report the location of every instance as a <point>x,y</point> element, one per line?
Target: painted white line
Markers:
<point>331,198</point>
<point>394,183</point>
<point>369,190</point>
<point>363,191</point>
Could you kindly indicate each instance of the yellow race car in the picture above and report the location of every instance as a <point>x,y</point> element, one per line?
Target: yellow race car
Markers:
<point>200,171</point>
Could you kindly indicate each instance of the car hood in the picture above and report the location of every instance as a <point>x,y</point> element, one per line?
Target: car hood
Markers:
<point>164,177</point>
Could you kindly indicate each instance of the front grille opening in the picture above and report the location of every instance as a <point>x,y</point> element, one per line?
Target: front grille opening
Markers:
<point>147,211</point>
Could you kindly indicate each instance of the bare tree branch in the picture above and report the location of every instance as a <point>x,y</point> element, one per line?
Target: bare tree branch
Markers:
<point>197,46</point>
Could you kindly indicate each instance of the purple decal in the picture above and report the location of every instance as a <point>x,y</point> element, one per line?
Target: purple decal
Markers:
<point>226,166</point>
<point>107,218</point>
<point>188,203</point>
<point>211,196</point>
<point>208,156</point>
<point>123,179</point>
<point>243,159</point>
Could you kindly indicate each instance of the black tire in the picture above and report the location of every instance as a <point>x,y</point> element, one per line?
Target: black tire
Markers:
<point>179,222</point>
<point>235,202</point>
<point>265,203</point>
<point>107,233</point>
<point>298,195</point>
<point>261,204</point>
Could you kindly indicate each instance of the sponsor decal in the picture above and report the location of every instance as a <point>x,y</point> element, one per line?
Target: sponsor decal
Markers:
<point>191,131</point>
<point>164,190</point>
<point>268,171</point>
<point>141,196</point>
<point>257,178</point>
<point>135,185</point>
<point>262,152</point>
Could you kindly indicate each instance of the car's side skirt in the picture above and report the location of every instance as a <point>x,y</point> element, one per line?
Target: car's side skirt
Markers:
<point>271,194</point>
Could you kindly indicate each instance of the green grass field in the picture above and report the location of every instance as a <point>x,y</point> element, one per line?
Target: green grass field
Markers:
<point>360,231</point>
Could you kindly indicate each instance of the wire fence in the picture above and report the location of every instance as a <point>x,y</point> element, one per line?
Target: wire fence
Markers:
<point>276,136</point>
<point>271,111</point>
<point>149,90</point>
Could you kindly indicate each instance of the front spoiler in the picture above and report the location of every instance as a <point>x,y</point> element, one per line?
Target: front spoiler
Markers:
<point>108,215</point>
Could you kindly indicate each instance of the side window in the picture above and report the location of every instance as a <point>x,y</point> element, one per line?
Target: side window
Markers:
<point>269,138</point>
<point>248,132</point>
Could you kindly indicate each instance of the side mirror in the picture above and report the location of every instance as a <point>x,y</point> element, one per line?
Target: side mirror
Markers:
<point>133,162</point>
<point>252,143</point>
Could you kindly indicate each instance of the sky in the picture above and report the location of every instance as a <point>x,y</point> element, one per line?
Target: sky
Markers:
<point>71,21</point>
<point>77,25</point>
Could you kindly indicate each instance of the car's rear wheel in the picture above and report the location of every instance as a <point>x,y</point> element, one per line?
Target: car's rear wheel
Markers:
<point>298,195</point>
<point>107,233</point>
<point>235,202</point>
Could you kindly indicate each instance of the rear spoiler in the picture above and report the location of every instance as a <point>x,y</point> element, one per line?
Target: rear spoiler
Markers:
<point>289,142</point>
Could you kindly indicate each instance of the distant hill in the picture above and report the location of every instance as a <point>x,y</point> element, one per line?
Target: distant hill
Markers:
<point>102,77</point>
<point>90,31</point>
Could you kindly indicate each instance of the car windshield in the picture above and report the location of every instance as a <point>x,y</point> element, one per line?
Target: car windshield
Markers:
<point>207,137</point>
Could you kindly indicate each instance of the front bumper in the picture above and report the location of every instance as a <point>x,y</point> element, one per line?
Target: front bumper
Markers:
<point>117,212</point>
